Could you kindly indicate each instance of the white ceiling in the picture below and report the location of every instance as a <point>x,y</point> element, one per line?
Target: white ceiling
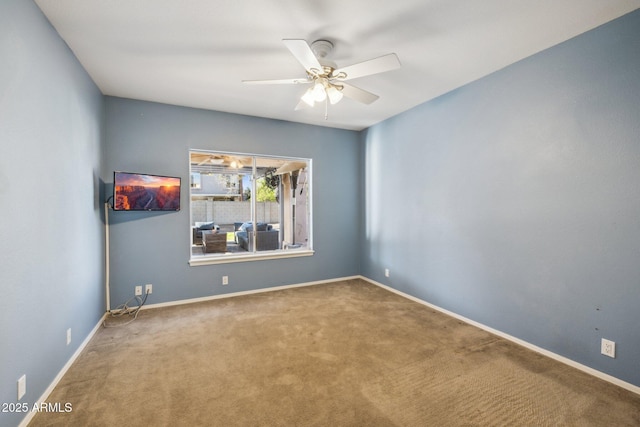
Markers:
<point>195,53</point>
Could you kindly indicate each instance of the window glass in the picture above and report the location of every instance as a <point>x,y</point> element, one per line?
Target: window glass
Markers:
<point>248,206</point>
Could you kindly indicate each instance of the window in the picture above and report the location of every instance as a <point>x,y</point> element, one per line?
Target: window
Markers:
<point>245,207</point>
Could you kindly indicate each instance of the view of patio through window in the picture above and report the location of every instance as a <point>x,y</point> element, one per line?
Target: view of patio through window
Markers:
<point>247,206</point>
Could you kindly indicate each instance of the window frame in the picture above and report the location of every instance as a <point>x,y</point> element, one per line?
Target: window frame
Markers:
<point>256,255</point>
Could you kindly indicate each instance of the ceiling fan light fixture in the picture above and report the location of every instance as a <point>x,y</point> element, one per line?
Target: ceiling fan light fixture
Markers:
<point>334,94</point>
<point>319,93</point>
<point>308,97</point>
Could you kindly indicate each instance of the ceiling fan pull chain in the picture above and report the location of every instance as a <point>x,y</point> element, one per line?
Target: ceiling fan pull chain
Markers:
<point>326,108</point>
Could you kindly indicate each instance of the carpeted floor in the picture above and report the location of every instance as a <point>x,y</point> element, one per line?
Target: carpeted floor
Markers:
<point>340,354</point>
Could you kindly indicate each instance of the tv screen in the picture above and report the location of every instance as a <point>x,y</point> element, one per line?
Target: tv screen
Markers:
<point>143,192</point>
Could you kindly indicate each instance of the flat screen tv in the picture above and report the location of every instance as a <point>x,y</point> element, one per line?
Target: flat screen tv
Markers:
<point>143,192</point>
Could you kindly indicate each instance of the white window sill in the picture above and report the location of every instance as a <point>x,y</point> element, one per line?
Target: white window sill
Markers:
<point>258,256</point>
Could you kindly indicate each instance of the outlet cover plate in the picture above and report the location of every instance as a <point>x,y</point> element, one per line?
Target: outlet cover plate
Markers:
<point>22,386</point>
<point>608,348</point>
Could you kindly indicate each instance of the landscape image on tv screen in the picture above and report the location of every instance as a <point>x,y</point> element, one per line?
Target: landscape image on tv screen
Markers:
<point>142,192</point>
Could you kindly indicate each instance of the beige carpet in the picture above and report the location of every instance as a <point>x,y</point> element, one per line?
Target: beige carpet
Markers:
<point>340,354</point>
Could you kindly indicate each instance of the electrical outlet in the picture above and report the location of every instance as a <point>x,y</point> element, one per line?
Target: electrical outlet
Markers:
<point>68,336</point>
<point>225,280</point>
<point>148,289</point>
<point>138,290</point>
<point>386,272</point>
<point>22,386</point>
<point>608,348</point>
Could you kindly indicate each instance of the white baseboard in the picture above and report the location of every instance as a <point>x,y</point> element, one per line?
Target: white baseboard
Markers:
<point>528,345</point>
<point>237,294</point>
<point>43,398</point>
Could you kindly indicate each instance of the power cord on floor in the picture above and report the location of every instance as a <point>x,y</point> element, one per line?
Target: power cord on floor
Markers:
<point>124,309</point>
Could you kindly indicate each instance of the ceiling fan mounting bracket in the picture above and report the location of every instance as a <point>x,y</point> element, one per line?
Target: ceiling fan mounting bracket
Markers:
<point>321,48</point>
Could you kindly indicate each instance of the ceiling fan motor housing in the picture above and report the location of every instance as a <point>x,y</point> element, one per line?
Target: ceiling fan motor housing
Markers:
<point>321,49</point>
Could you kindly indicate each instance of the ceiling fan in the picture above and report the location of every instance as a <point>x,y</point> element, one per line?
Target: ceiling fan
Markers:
<point>326,79</point>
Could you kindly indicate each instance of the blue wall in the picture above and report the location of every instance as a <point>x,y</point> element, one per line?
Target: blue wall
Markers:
<point>515,200</point>
<point>155,247</point>
<point>51,232</point>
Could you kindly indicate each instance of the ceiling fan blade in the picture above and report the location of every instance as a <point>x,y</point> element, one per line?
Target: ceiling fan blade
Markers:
<point>277,82</point>
<point>302,106</point>
<point>358,94</point>
<point>373,66</point>
<point>303,53</point>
